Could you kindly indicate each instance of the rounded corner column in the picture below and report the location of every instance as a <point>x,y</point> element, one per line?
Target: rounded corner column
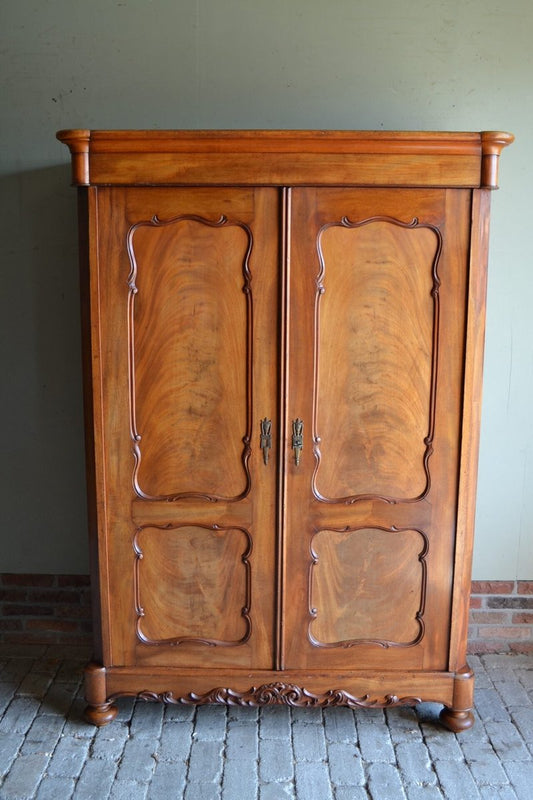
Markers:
<point>459,717</point>
<point>99,710</point>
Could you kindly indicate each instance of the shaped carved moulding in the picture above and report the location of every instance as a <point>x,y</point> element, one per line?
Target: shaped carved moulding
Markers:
<point>347,602</point>
<point>192,584</point>
<point>389,301</point>
<point>180,393</point>
<point>279,693</point>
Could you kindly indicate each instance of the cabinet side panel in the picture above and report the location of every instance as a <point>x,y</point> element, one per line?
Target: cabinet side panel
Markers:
<point>473,378</point>
<point>94,434</point>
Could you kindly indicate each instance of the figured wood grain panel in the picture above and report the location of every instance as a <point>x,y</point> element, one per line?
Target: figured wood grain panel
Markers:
<point>367,586</point>
<point>190,357</point>
<point>193,585</point>
<point>376,350</point>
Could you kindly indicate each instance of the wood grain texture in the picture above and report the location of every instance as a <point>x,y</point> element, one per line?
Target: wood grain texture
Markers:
<point>388,158</point>
<point>349,569</point>
<point>244,688</point>
<point>379,282</point>
<point>387,281</point>
<point>190,350</point>
<point>471,422</point>
<point>335,278</point>
<point>171,285</point>
<point>193,585</point>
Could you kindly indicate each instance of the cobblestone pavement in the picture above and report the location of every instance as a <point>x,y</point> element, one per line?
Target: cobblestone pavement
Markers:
<point>216,753</point>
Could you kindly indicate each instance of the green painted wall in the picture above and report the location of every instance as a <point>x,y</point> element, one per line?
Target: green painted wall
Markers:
<point>392,64</point>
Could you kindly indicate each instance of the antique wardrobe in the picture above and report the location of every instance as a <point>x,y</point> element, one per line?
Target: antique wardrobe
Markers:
<point>283,354</point>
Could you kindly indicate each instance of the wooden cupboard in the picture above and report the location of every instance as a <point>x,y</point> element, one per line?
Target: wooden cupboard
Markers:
<point>283,347</point>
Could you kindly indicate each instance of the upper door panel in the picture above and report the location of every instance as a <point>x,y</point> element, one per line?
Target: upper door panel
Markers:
<point>190,326</point>
<point>378,297</point>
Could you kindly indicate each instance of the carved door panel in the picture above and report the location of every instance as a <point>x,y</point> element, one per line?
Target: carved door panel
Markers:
<point>188,313</point>
<point>375,337</point>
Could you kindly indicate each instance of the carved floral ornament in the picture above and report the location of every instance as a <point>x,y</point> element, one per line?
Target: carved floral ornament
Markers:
<point>279,693</point>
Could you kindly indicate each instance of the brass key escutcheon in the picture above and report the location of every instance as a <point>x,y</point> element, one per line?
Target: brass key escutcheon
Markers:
<point>297,439</point>
<point>266,437</point>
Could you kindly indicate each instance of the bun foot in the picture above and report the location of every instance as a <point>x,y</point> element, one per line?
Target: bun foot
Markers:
<point>456,721</point>
<point>100,715</point>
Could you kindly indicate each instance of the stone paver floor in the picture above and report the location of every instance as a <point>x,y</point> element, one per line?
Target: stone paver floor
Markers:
<point>150,751</point>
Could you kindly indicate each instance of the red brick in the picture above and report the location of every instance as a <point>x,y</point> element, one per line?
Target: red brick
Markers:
<point>525,587</point>
<point>69,611</point>
<point>13,595</point>
<point>54,596</point>
<point>505,632</point>
<point>475,602</point>
<point>10,624</point>
<point>492,587</point>
<point>521,647</point>
<point>523,618</point>
<point>489,617</point>
<point>51,625</point>
<point>20,610</point>
<point>77,639</point>
<point>11,579</point>
<point>510,602</point>
<point>25,637</point>
<point>73,580</point>
<point>480,647</point>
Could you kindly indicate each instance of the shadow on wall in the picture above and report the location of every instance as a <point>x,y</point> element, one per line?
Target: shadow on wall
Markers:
<point>42,491</point>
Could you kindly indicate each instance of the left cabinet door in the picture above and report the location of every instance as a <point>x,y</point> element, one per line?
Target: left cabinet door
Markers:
<point>184,321</point>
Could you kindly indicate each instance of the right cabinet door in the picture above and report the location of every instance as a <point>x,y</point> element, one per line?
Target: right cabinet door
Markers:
<point>375,343</point>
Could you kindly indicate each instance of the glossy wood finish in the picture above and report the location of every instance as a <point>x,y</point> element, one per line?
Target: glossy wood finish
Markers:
<point>211,383</point>
<point>393,445</point>
<point>191,357</point>
<point>286,158</point>
<point>283,372</point>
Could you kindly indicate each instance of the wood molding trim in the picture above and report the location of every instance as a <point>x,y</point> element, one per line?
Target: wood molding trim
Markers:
<point>247,157</point>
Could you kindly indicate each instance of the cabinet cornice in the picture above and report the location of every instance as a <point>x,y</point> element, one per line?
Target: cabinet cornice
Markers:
<point>295,158</point>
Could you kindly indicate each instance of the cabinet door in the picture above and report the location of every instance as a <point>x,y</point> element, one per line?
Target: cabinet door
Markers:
<point>375,348</point>
<point>185,345</point>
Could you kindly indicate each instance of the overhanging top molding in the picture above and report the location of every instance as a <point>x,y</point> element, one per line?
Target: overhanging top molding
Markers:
<point>354,158</point>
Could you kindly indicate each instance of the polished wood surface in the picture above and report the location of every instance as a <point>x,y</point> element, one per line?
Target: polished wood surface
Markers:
<point>286,158</point>
<point>191,376</point>
<point>283,339</point>
<point>186,378</point>
<point>398,357</point>
<point>381,390</point>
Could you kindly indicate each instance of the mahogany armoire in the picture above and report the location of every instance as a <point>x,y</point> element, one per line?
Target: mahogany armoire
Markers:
<point>283,339</point>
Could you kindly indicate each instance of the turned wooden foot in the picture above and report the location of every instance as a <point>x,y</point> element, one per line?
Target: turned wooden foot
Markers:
<point>456,721</point>
<point>100,715</point>
<point>100,711</point>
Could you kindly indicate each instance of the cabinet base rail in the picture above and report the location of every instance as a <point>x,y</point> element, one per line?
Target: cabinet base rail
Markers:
<point>295,688</point>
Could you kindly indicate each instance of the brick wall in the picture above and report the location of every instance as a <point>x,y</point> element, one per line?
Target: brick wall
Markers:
<point>501,617</point>
<point>45,609</point>
<point>51,609</point>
